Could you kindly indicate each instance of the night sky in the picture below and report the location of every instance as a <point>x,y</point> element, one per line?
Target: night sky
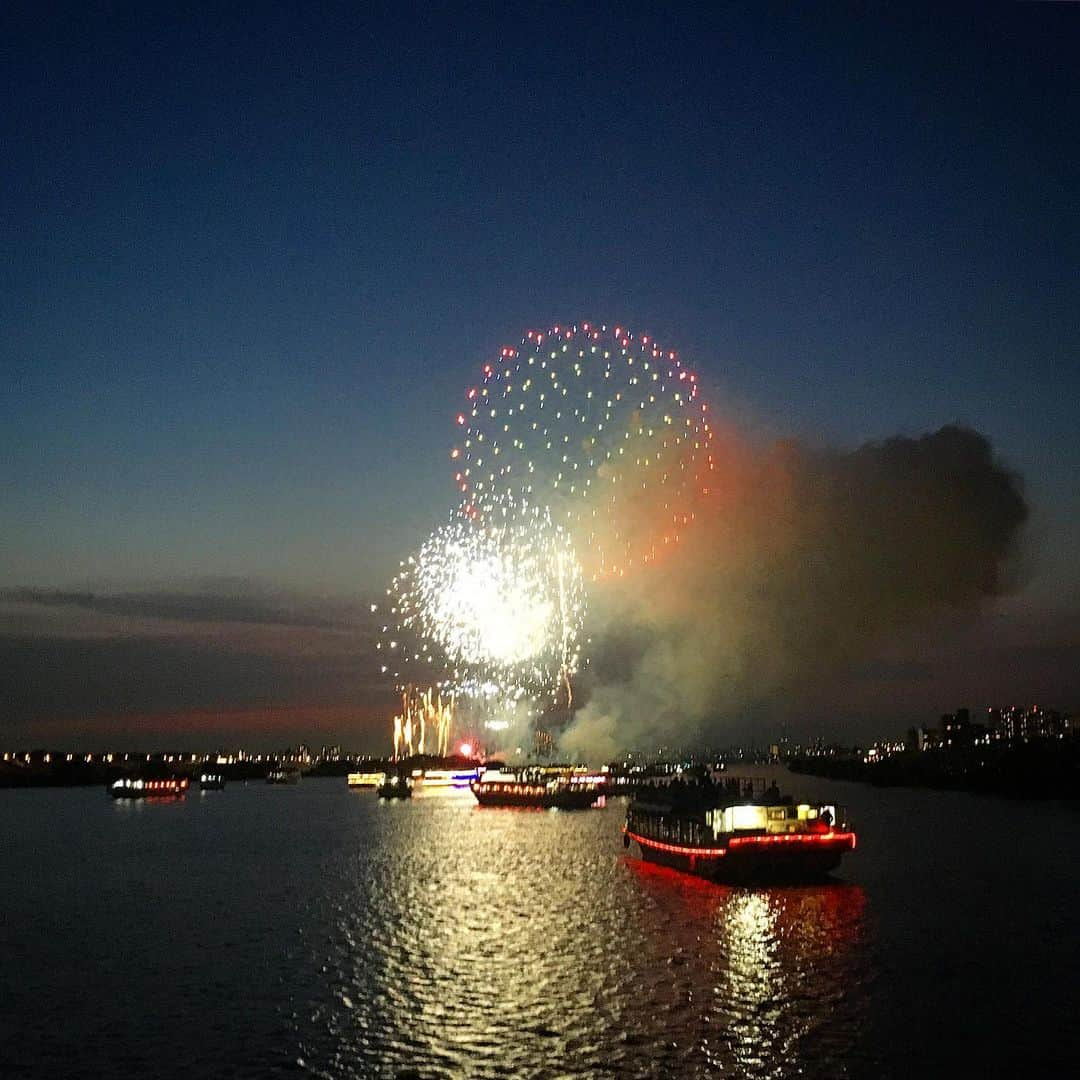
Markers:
<point>250,261</point>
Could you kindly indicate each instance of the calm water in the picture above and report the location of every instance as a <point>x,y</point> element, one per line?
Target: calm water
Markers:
<point>266,930</point>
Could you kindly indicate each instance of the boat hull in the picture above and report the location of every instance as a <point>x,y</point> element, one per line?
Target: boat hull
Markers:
<point>749,862</point>
<point>148,789</point>
<point>558,800</point>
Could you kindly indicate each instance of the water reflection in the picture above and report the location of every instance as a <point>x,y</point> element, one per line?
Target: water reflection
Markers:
<point>785,970</point>
<point>317,931</point>
<point>787,975</point>
<point>485,944</point>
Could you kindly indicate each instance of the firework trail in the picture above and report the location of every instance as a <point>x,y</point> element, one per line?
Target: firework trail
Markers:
<point>421,711</point>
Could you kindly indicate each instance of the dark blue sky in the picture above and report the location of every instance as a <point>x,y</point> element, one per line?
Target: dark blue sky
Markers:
<point>249,260</point>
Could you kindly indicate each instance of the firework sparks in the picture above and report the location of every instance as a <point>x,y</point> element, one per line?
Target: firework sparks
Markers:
<point>497,604</point>
<point>585,439</point>
<point>603,427</point>
<point>423,711</point>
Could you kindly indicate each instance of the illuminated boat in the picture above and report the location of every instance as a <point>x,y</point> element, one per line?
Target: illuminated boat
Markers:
<point>212,781</point>
<point>365,779</point>
<point>740,840</point>
<point>283,776</point>
<point>128,787</point>
<point>562,791</point>
<point>396,786</point>
<point>430,779</point>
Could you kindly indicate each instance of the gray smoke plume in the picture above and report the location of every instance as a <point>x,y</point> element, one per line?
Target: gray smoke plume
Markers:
<point>803,562</point>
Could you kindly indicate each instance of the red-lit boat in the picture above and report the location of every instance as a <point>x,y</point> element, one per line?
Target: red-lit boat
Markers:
<point>537,789</point>
<point>128,787</point>
<point>740,839</point>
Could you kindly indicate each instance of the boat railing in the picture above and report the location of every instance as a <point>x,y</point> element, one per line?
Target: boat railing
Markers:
<point>669,827</point>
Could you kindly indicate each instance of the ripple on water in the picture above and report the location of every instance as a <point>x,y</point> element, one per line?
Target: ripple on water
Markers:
<point>458,942</point>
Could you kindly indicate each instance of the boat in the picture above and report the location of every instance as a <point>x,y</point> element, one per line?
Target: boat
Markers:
<point>431,779</point>
<point>212,781</point>
<point>128,787</point>
<point>727,833</point>
<point>365,779</point>
<point>540,789</point>
<point>396,786</point>
<point>283,776</point>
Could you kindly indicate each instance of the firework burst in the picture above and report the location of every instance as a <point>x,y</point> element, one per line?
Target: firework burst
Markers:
<point>602,427</point>
<point>493,608</point>
<point>587,439</point>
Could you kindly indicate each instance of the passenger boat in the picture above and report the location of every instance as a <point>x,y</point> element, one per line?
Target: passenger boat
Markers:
<point>396,786</point>
<point>212,781</point>
<point>283,776</point>
<point>128,787</point>
<point>537,789</point>
<point>430,779</point>
<point>723,834</point>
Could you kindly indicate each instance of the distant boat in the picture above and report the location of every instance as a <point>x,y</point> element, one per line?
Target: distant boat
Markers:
<point>396,786</point>
<point>365,779</point>
<point>128,787</point>
<point>283,776</point>
<point>430,779</point>
<point>212,781</point>
<point>538,789</point>
<point>725,835</point>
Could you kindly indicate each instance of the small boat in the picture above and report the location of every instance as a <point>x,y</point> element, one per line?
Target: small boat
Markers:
<point>725,834</point>
<point>137,787</point>
<point>212,781</point>
<point>396,786</point>
<point>283,776</point>
<point>537,789</point>
<point>365,779</point>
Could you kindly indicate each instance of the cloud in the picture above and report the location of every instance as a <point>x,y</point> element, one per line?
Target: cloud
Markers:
<point>73,660</point>
<point>244,603</point>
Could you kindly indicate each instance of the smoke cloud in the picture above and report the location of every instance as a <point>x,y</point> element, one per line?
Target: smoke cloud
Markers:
<point>801,563</point>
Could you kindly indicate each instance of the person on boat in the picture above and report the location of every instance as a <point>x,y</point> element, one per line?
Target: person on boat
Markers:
<point>772,795</point>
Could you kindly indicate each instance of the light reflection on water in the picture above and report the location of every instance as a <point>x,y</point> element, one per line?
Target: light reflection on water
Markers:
<point>313,930</point>
<point>491,943</point>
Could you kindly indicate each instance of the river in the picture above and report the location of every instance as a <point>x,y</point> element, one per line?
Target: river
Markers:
<point>312,930</point>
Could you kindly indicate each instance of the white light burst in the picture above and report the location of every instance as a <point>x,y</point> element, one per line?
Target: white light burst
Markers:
<point>502,601</point>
